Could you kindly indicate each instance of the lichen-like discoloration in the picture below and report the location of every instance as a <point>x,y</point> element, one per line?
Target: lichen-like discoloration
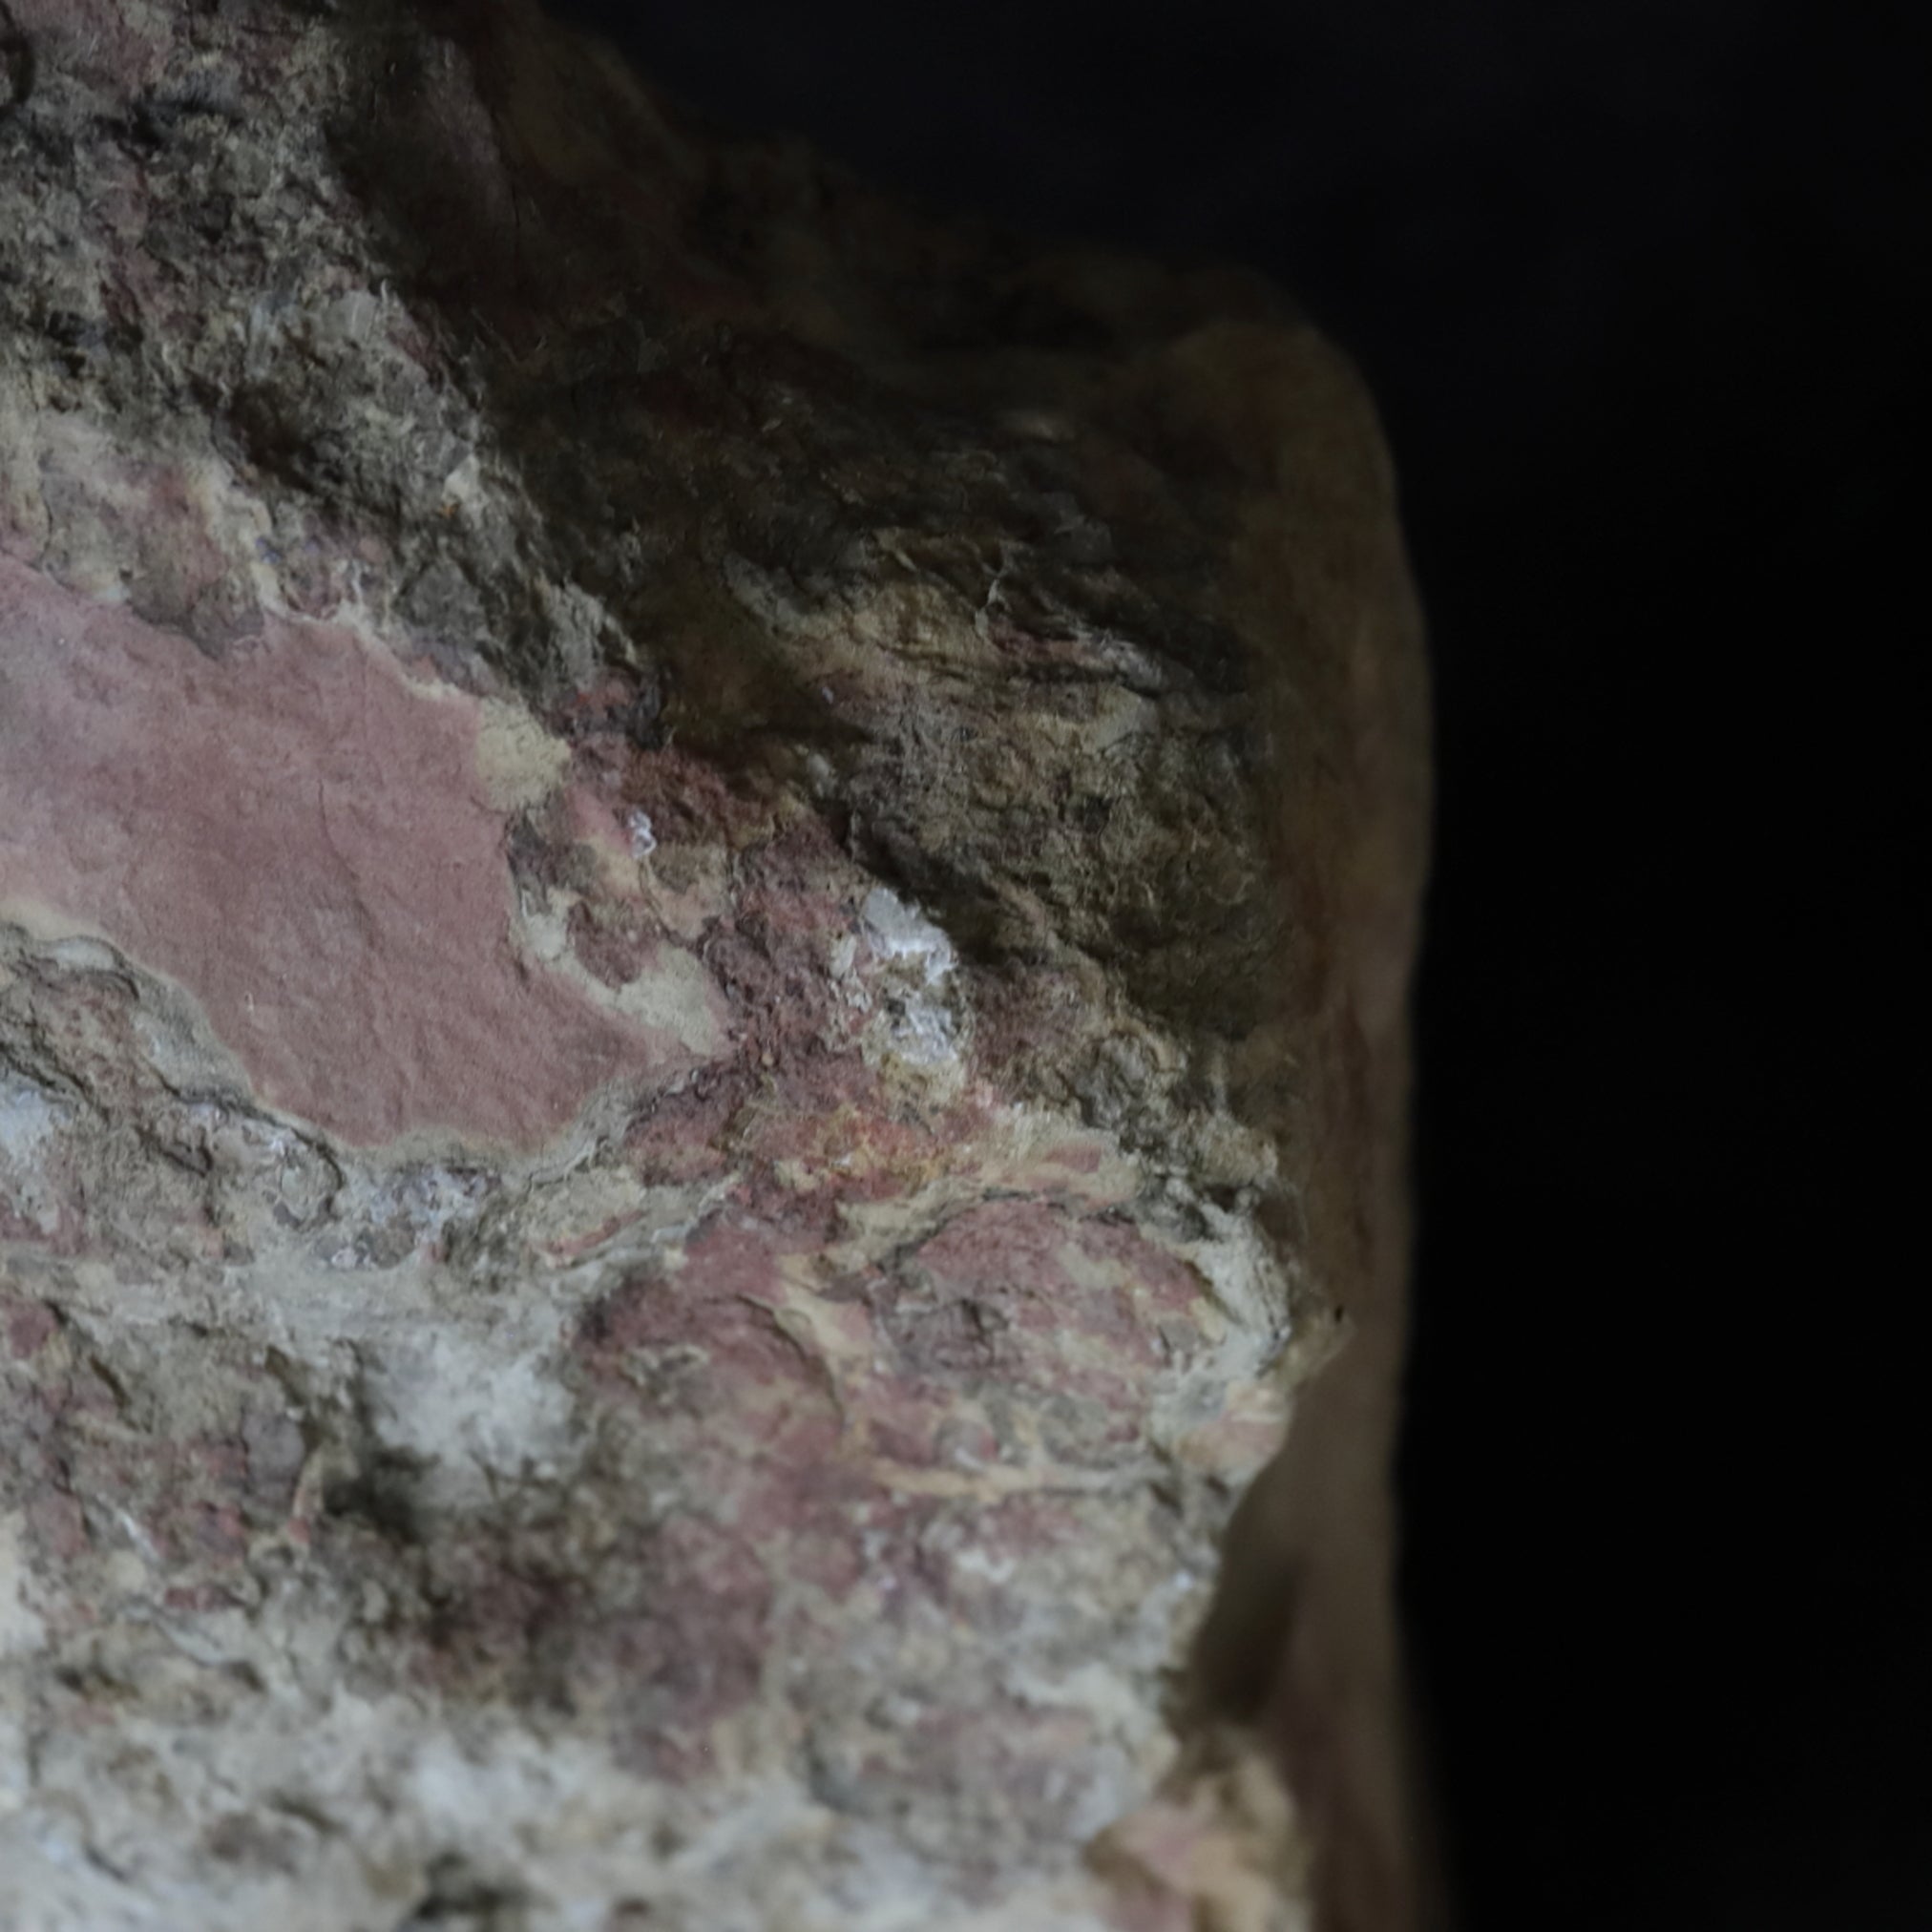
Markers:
<point>702,896</point>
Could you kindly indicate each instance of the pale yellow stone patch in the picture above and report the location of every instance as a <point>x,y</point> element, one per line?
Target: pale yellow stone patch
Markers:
<point>519,763</point>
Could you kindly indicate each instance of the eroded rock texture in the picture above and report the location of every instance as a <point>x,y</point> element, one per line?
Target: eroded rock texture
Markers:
<point>704,898</point>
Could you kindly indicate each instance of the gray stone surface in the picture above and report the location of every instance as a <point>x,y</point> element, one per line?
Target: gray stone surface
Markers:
<point>704,899</point>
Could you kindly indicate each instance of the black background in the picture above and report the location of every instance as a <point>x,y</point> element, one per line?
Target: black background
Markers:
<point>1641,288</point>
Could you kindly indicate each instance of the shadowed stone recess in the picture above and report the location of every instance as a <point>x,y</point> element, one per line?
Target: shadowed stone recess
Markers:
<point>706,894</point>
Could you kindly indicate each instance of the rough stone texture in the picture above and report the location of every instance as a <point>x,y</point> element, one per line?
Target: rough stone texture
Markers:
<point>705,893</point>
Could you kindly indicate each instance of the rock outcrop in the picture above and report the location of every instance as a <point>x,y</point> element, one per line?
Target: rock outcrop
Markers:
<point>704,897</point>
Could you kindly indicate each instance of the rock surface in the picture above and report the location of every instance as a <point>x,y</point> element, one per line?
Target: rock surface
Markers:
<point>705,893</point>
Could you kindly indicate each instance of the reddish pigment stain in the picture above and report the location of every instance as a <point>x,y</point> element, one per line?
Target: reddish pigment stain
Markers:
<point>299,838</point>
<point>28,1325</point>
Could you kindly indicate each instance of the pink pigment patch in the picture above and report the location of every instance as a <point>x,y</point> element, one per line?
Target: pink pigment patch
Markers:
<point>300,839</point>
<point>29,1324</point>
<point>1006,1247</point>
<point>1164,1279</point>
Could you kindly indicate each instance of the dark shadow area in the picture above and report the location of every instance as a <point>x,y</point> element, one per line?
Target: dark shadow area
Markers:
<point>1640,287</point>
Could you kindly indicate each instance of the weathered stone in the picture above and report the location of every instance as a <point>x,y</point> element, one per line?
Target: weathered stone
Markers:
<point>705,894</point>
